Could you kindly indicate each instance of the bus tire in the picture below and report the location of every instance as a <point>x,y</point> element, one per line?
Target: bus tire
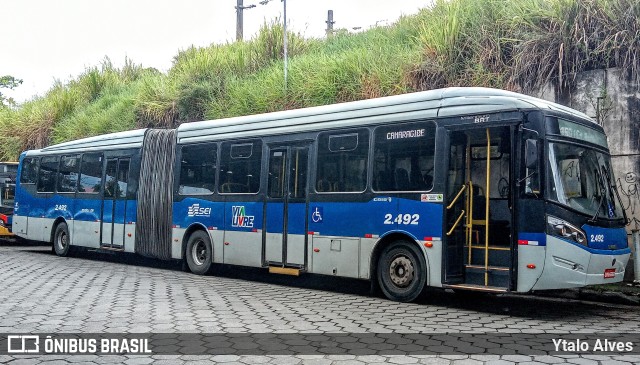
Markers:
<point>61,244</point>
<point>199,253</point>
<point>401,271</point>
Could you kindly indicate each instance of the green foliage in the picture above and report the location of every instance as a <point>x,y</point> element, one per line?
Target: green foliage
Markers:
<point>8,82</point>
<point>518,45</point>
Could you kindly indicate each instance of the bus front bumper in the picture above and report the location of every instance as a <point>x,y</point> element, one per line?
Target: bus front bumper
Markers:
<point>569,265</point>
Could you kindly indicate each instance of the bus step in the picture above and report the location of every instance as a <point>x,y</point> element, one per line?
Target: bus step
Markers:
<point>497,276</point>
<point>106,250</point>
<point>489,268</point>
<point>489,289</point>
<point>284,270</point>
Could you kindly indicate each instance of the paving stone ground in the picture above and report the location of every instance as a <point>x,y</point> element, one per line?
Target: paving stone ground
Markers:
<point>104,293</point>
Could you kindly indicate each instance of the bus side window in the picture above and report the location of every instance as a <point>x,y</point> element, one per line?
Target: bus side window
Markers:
<point>68,174</point>
<point>240,167</point>
<point>29,173</point>
<point>198,165</point>
<point>47,174</point>
<point>90,173</point>
<point>342,162</point>
<point>403,157</point>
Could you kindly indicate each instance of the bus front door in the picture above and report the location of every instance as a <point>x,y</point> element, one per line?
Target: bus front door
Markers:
<point>479,209</point>
<point>286,206</point>
<point>114,205</point>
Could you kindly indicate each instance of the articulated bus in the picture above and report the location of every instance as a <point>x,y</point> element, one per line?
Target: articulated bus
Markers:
<point>459,188</point>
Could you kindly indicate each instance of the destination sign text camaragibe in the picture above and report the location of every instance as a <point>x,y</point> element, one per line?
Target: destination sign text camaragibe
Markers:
<point>415,133</point>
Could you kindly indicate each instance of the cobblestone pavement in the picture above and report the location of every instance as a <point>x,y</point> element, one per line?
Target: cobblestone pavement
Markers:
<point>97,292</point>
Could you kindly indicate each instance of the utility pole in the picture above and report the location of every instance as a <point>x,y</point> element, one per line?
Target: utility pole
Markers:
<point>239,22</point>
<point>330,23</point>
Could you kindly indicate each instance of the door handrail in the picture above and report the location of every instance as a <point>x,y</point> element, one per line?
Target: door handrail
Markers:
<point>457,196</point>
<point>456,223</point>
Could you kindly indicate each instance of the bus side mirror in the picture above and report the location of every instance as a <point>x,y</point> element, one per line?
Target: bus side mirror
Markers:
<point>531,154</point>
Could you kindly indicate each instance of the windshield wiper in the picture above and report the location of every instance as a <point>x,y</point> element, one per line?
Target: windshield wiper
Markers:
<point>601,180</point>
<point>602,194</point>
<point>614,187</point>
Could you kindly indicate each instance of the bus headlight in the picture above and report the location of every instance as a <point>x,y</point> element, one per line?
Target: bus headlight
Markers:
<point>562,228</point>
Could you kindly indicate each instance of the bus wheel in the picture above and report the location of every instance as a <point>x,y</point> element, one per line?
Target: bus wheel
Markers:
<point>61,240</point>
<point>199,253</point>
<point>401,272</point>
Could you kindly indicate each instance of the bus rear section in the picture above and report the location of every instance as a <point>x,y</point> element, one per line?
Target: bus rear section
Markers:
<point>8,173</point>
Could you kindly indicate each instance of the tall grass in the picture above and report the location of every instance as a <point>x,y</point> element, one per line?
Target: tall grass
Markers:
<point>525,44</point>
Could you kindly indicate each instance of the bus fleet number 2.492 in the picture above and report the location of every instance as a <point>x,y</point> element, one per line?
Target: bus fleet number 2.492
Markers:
<point>407,219</point>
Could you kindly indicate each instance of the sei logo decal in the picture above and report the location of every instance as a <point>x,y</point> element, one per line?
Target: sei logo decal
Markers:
<point>239,217</point>
<point>196,211</point>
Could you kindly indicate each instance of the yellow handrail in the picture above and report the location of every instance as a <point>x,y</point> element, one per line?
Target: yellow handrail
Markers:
<point>488,195</point>
<point>470,220</point>
<point>457,196</point>
<point>456,223</point>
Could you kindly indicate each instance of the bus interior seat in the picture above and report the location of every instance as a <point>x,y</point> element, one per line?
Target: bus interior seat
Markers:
<point>323,185</point>
<point>339,186</point>
<point>233,188</point>
<point>479,201</point>
<point>209,186</point>
<point>383,181</point>
<point>402,179</point>
<point>428,181</point>
<point>417,183</point>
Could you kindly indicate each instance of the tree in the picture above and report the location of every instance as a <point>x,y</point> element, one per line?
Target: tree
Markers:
<point>8,82</point>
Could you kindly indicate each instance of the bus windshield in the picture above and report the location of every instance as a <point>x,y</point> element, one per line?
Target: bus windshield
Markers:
<point>581,178</point>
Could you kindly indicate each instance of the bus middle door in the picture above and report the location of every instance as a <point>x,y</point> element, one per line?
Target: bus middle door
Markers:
<point>115,203</point>
<point>286,206</point>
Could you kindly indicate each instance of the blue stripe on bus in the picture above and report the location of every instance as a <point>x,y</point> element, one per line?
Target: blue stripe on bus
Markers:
<point>376,217</point>
<point>541,238</point>
<point>600,238</point>
<point>296,223</point>
<point>597,251</point>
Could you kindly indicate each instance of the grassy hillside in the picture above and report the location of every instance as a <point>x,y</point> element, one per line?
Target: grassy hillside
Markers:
<point>517,45</point>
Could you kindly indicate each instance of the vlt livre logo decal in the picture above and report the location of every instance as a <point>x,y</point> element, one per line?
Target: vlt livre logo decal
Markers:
<point>239,218</point>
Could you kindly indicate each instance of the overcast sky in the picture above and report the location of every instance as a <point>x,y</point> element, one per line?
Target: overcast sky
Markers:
<point>45,40</point>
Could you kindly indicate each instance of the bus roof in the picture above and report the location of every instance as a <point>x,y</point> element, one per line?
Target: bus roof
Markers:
<point>419,105</point>
<point>447,102</point>
<point>128,139</point>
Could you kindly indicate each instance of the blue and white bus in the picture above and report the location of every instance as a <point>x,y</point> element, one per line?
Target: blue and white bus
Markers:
<point>460,188</point>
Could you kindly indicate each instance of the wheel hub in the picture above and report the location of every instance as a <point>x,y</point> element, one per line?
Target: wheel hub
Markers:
<point>401,271</point>
<point>199,253</point>
<point>62,240</point>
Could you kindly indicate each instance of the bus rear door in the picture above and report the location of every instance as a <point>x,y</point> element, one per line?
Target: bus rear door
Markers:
<point>115,203</point>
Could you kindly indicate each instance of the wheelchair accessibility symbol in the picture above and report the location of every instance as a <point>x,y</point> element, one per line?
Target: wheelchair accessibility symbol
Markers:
<point>316,216</point>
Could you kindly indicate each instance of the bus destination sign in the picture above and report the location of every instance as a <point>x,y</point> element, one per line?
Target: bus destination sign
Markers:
<point>414,133</point>
<point>577,131</point>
